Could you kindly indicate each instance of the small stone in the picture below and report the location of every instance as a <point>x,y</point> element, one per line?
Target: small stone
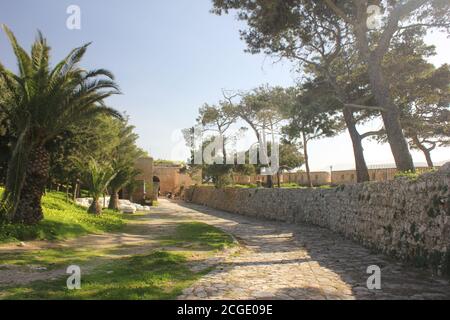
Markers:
<point>22,244</point>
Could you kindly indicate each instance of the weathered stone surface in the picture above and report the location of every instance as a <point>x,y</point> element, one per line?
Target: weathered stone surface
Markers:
<point>408,219</point>
<point>286,261</point>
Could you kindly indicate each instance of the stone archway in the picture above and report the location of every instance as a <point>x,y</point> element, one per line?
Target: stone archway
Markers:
<point>156,186</point>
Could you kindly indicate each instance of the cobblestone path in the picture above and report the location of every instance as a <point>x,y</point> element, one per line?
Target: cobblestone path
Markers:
<point>282,261</point>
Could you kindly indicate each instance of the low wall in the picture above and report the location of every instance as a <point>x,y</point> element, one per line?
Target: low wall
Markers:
<point>408,219</point>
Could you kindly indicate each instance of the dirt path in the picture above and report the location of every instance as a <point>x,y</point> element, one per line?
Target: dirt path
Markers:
<point>283,261</point>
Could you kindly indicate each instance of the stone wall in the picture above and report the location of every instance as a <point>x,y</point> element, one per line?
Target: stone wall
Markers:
<point>320,178</point>
<point>172,180</point>
<point>144,181</point>
<point>405,218</point>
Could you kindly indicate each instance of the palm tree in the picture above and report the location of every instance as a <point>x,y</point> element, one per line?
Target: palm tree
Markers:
<point>40,103</point>
<point>96,177</point>
<point>123,176</point>
<point>124,159</point>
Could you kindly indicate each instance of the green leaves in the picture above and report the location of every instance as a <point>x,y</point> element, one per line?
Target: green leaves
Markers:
<point>54,99</point>
<point>41,103</point>
<point>96,176</point>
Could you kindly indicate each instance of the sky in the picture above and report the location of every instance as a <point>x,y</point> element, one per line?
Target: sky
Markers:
<point>169,58</point>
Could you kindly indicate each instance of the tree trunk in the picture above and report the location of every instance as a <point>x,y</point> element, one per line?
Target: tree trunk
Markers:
<point>362,172</point>
<point>390,115</point>
<point>269,181</point>
<point>305,152</point>
<point>278,179</point>
<point>382,94</point>
<point>29,210</point>
<point>75,187</point>
<point>67,192</point>
<point>96,207</point>
<point>425,150</point>
<point>427,154</point>
<point>114,201</point>
<point>397,142</point>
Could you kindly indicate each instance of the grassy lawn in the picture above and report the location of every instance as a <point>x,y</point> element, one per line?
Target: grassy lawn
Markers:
<point>158,274</point>
<point>62,220</point>
<point>198,236</point>
<point>113,272</point>
<point>51,258</point>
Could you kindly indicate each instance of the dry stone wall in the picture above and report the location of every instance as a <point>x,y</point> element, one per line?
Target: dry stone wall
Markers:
<point>405,218</point>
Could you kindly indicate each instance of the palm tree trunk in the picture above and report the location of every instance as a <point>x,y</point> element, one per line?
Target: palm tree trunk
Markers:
<point>96,207</point>
<point>29,210</point>
<point>114,201</point>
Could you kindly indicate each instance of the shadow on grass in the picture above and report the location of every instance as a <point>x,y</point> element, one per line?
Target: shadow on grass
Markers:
<point>159,275</point>
<point>46,230</point>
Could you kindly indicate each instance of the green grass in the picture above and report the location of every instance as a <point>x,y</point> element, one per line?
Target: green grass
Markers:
<point>189,236</point>
<point>113,273</point>
<point>291,186</point>
<point>244,186</point>
<point>159,275</point>
<point>199,236</point>
<point>51,258</point>
<point>62,220</point>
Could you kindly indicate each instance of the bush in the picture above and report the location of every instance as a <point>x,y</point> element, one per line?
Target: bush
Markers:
<point>413,175</point>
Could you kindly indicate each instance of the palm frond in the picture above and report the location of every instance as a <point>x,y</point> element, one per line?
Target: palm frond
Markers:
<point>23,59</point>
<point>41,102</point>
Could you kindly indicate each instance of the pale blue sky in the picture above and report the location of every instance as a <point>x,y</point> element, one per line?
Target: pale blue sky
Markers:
<point>169,58</point>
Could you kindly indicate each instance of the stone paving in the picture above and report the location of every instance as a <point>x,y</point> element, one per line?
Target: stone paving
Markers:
<point>282,261</point>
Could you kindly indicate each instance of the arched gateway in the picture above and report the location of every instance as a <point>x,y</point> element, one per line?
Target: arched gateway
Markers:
<point>157,180</point>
